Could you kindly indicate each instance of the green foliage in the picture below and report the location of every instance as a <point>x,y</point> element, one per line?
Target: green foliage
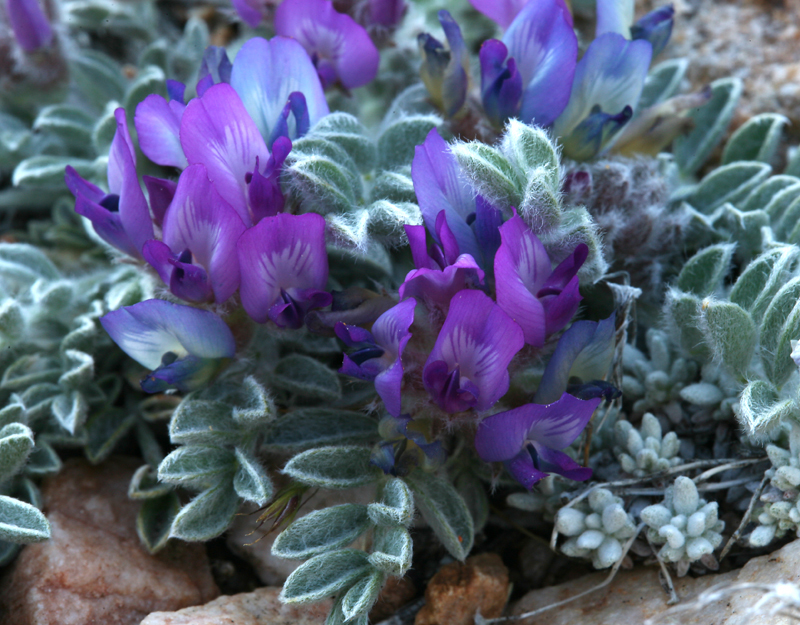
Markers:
<point>489,172</point>
<point>325,575</point>
<point>728,183</point>
<point>730,334</point>
<point>322,531</point>
<point>208,514</point>
<point>333,467</point>
<point>315,427</point>
<point>663,81</point>
<point>20,522</point>
<point>306,378</point>
<point>755,140</point>
<point>399,138</point>
<point>703,273</point>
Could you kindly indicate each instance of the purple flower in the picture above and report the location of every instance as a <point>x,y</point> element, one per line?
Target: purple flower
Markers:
<point>528,438</point>
<point>445,72</point>
<point>607,85</point>
<point>30,25</point>
<point>120,217</point>
<point>264,75</point>
<point>184,346</point>
<point>379,357</point>
<point>441,271</point>
<point>386,13</point>
<point>468,365</point>
<point>215,68</point>
<point>545,48</point>
<point>216,131</point>
<point>614,16</point>
<point>542,300</point>
<point>340,49</point>
<point>501,83</point>
<point>406,447</point>
<point>251,11</point>
<point>160,192</point>
<point>501,11</point>
<point>158,123</point>
<point>264,189</point>
<point>582,359</point>
<point>655,27</point>
<point>284,267</point>
<point>197,258</point>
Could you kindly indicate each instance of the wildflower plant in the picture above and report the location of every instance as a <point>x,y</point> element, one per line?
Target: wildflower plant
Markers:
<point>429,305</point>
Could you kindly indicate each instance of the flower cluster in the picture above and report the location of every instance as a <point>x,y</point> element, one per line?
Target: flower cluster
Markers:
<point>221,227</point>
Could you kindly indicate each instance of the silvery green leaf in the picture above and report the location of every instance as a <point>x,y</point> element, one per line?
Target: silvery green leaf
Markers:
<point>13,413</point>
<point>362,595</point>
<point>744,228</point>
<point>333,467</point>
<point>322,531</point>
<point>760,409</point>
<point>25,264</point>
<point>784,264</point>
<point>306,377</point>
<point>321,185</point>
<point>151,79</point>
<point>251,481</point>
<point>208,514</point>
<point>347,132</point>
<point>200,422</point>
<point>779,205</point>
<point>38,399</point>
<point>155,520</point>
<point>386,221</point>
<point>98,77</point>
<point>324,575</point>
<point>16,444</point>
<point>774,318</point>
<point>312,146</point>
<point>148,444</point>
<point>710,123</point>
<point>82,337</point>
<point>397,141</point>
<point>12,323</point>
<point>156,53</point>
<point>682,310</point>
<point>755,140</point>
<point>395,186</point>
<point>763,194</point>
<point>104,128</point>
<point>577,226</point>
<point>48,171</point>
<point>79,369</point>
<point>72,124</point>
<point>256,409</point>
<point>104,430</point>
<point>662,82</point>
<point>445,511</point>
<point>396,506</point>
<point>350,230</point>
<point>21,522</point>
<point>43,461</point>
<point>391,550</point>
<point>782,363</point>
<point>489,172</point>
<point>196,465</point>
<point>146,485</point>
<point>188,52</point>
<point>530,150</point>
<point>729,183</point>
<point>313,427</point>
<point>474,494</point>
<point>70,410</point>
<point>29,370</point>
<point>730,333</point>
<point>704,272</point>
<point>52,296</point>
<point>372,262</point>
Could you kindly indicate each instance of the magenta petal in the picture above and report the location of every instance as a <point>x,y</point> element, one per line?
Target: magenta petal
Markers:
<point>559,310</point>
<point>79,186</point>
<point>523,470</point>
<point>123,181</point>
<point>521,266</point>
<point>266,72</point>
<point>107,224</point>
<point>352,335</point>
<point>501,436</point>
<point>158,128</point>
<point>479,340</point>
<point>281,253</point>
<point>330,38</point>
<point>217,131</point>
<point>436,287</point>
<point>554,461</point>
<point>158,255</point>
<point>501,11</point>
<point>31,27</point>
<point>391,328</point>
<point>160,193</point>
<point>440,186</point>
<point>545,48</point>
<point>568,268</point>
<point>249,11</point>
<point>419,247</point>
<point>558,424</point>
<point>201,221</point>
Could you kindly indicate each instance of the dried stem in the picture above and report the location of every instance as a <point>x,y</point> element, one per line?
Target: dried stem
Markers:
<point>745,519</point>
<point>666,578</point>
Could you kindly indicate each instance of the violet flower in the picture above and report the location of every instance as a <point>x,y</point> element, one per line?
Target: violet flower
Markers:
<point>616,16</point>
<point>504,11</point>
<point>30,25</point>
<point>184,346</point>
<point>441,271</point>
<point>386,13</point>
<point>340,49</point>
<point>468,365</point>
<point>251,11</point>
<point>284,267</point>
<point>440,186</point>
<point>379,356</point>
<point>158,123</point>
<point>580,363</point>
<point>120,217</point>
<point>528,439</point>
<point>607,85</point>
<point>197,258</point>
<point>265,74</point>
<point>542,300</point>
<point>445,72</point>
<point>215,68</point>
<point>543,51</point>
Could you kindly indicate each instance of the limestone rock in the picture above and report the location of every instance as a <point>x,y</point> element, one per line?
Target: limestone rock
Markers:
<point>260,607</point>
<point>94,569</point>
<point>459,590</point>
<point>635,596</point>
